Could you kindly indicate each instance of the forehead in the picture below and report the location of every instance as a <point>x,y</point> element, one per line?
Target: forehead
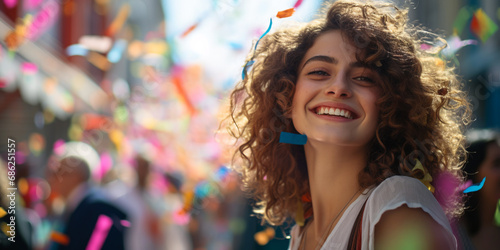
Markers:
<point>334,44</point>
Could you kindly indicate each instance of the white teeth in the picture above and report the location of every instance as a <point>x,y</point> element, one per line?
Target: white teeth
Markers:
<point>333,111</point>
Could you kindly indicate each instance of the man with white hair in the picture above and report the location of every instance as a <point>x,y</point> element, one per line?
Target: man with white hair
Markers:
<point>91,221</point>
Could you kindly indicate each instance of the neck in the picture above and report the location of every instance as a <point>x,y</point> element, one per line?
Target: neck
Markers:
<point>333,177</point>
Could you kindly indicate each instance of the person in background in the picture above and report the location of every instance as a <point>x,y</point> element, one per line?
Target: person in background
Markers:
<point>135,198</point>
<point>483,161</point>
<point>90,220</point>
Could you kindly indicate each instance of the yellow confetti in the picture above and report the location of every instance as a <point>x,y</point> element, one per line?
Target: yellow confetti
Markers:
<point>2,212</point>
<point>423,175</point>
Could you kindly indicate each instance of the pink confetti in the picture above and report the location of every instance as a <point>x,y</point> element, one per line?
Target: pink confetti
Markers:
<point>105,165</point>
<point>180,217</point>
<point>297,4</point>
<point>100,233</point>
<point>59,147</point>
<point>10,3</point>
<point>29,68</point>
<point>465,185</point>
<point>125,223</point>
<point>425,46</point>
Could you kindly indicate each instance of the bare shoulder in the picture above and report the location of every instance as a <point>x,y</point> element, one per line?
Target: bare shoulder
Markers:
<point>409,228</point>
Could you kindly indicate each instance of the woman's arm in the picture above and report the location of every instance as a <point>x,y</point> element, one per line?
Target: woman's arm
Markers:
<point>409,228</point>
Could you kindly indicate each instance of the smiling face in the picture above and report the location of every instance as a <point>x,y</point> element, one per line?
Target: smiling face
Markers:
<point>335,97</point>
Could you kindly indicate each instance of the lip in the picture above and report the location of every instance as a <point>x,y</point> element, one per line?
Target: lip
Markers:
<point>335,105</point>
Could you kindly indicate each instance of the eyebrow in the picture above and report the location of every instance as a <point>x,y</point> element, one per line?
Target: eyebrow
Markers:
<point>333,60</point>
<point>321,58</point>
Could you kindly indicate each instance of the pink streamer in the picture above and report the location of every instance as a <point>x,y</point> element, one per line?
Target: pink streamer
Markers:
<point>100,233</point>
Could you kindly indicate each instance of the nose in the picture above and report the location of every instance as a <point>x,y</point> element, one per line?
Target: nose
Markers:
<point>338,87</point>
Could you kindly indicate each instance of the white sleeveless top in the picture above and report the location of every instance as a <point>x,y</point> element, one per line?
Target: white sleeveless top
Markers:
<point>388,195</point>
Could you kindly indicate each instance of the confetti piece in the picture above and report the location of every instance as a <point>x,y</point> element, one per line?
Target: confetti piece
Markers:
<point>455,44</point>
<point>99,61</point>
<point>465,185</point>
<point>299,214</point>
<point>100,232</point>
<point>118,22</point>
<point>125,223</point>
<point>264,236</point>
<point>265,33</point>
<point>497,214</point>
<point>189,30</point>
<point>421,173</point>
<point>2,212</point>
<point>5,229</point>
<point>115,54</point>
<point>23,187</point>
<point>482,25</point>
<point>76,50</point>
<point>59,238</point>
<point>29,68</point>
<point>285,13</point>
<point>463,17</point>
<point>475,187</point>
<point>297,4</point>
<point>59,147</point>
<point>36,143</point>
<point>292,138</point>
<point>251,62</point>
<point>100,44</point>
<point>105,165</point>
<point>10,3</point>
<point>177,81</point>
<point>245,69</point>
<point>425,46</point>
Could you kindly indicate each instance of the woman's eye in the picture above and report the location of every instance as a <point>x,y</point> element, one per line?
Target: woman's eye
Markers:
<point>364,79</point>
<point>318,72</point>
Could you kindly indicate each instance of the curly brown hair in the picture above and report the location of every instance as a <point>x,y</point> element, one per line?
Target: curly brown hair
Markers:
<point>423,110</point>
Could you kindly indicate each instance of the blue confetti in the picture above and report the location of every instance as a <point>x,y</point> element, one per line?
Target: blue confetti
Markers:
<point>115,54</point>
<point>292,138</point>
<point>475,187</point>
<point>76,50</point>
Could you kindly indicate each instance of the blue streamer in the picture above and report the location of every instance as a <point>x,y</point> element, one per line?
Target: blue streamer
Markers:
<point>251,62</point>
<point>265,33</point>
<point>475,187</point>
<point>245,69</point>
<point>291,138</point>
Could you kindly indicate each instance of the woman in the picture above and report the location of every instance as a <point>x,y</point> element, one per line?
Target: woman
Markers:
<point>483,162</point>
<point>378,113</point>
